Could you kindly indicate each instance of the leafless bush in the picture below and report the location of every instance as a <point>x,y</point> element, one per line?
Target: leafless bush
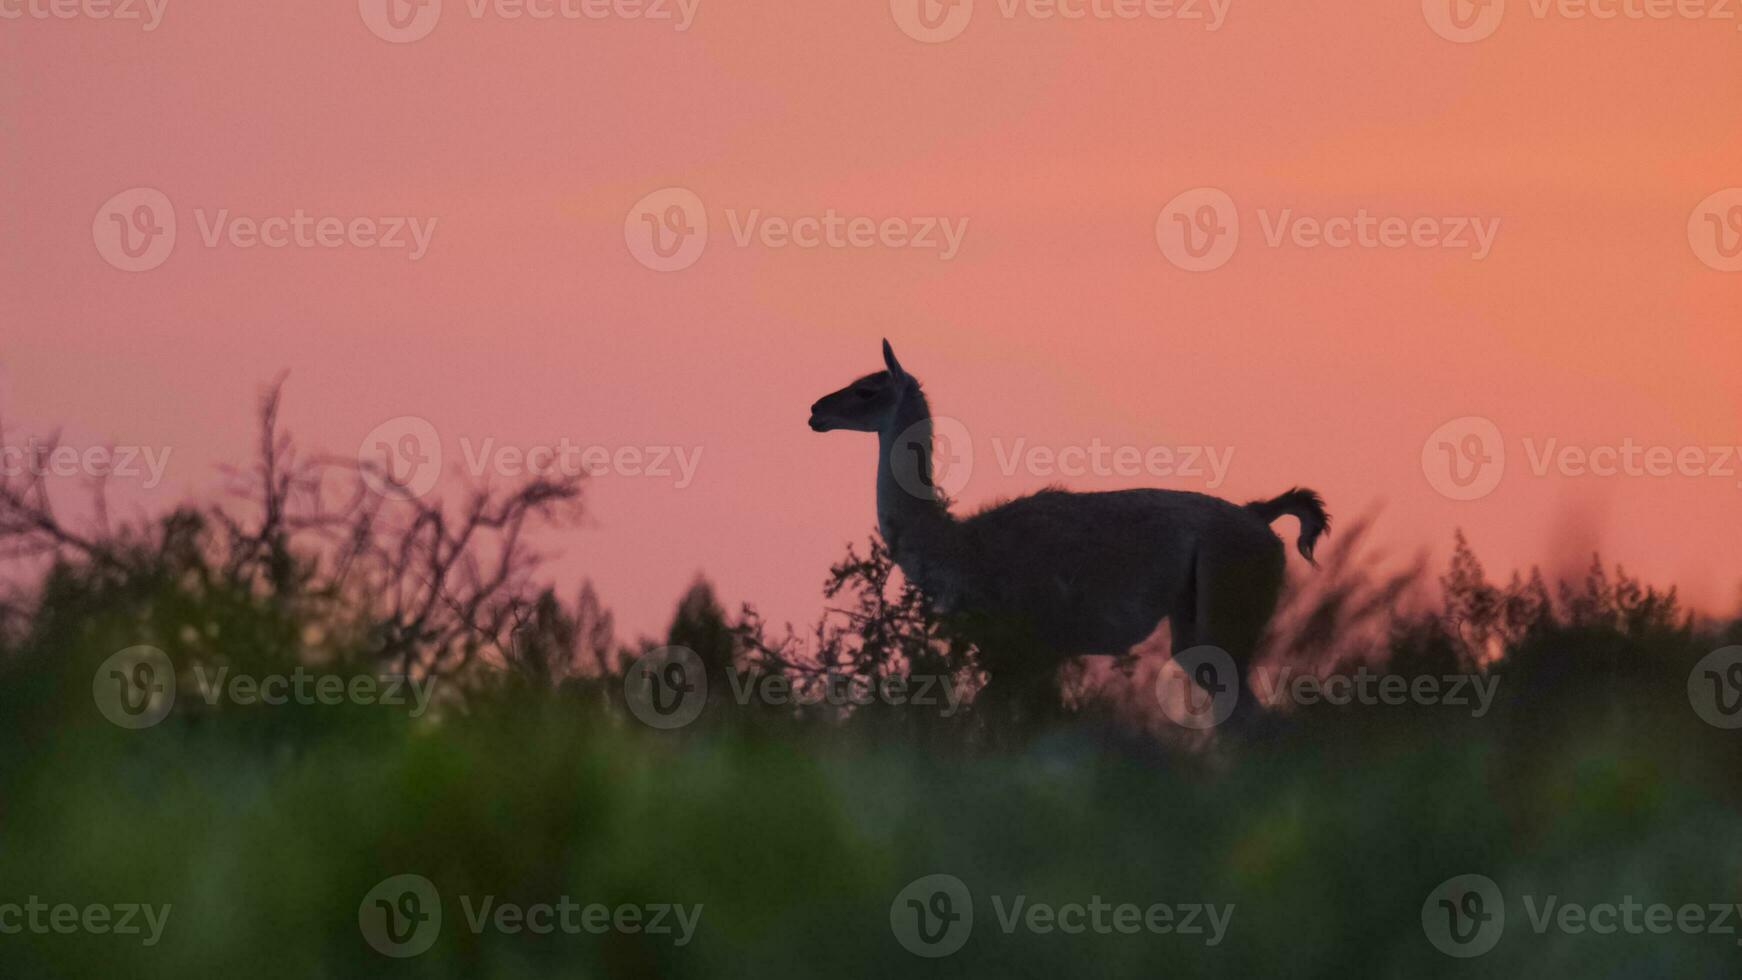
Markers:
<point>425,588</point>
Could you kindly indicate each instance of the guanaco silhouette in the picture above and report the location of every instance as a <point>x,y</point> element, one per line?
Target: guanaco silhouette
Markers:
<point>1059,574</point>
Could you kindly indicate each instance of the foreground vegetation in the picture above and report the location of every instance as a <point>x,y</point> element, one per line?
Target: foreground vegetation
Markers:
<point>527,779</point>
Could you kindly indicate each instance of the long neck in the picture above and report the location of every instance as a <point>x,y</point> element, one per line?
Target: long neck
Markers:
<point>912,514</point>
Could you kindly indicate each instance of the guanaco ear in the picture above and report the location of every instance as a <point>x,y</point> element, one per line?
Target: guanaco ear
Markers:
<point>894,365</point>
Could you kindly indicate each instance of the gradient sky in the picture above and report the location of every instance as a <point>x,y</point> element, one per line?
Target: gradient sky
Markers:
<point>1593,320</point>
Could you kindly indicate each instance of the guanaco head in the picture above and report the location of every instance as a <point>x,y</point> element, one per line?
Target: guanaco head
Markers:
<point>866,405</point>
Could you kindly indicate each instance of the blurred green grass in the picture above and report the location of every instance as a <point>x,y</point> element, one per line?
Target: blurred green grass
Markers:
<point>1592,778</point>
<point>1326,844</point>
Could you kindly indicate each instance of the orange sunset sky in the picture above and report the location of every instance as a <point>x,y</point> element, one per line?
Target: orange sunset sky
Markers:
<point>1602,153</point>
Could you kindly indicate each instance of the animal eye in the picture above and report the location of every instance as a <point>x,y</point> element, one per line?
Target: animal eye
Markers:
<point>864,392</point>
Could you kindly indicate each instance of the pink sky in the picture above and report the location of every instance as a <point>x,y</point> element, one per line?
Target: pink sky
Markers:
<point>1594,319</point>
